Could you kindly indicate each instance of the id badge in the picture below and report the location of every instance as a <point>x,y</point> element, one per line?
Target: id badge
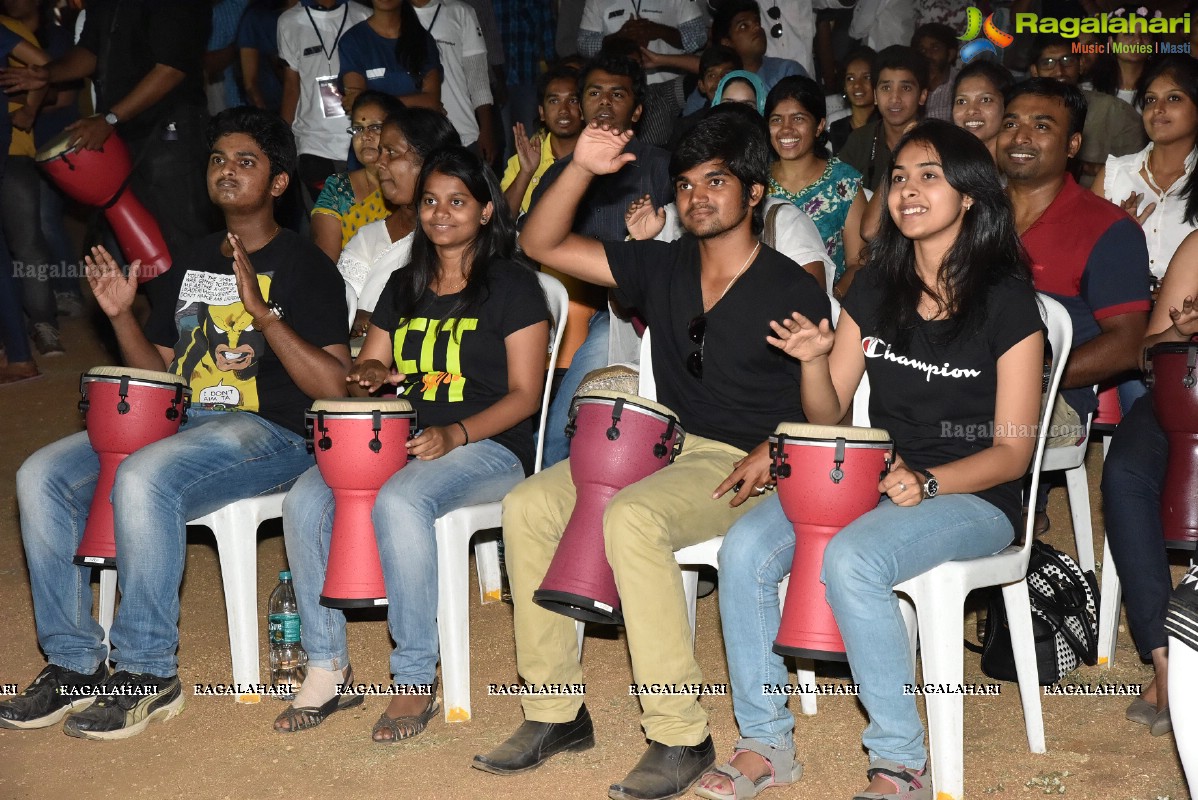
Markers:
<point>330,96</point>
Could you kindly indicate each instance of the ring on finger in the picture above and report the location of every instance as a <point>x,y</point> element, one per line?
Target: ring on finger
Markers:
<point>902,487</point>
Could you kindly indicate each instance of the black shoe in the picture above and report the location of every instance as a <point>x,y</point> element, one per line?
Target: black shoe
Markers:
<point>54,693</point>
<point>128,703</point>
<point>665,772</point>
<point>534,742</point>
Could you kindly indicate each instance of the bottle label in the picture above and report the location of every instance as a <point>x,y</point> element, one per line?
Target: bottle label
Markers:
<point>284,628</point>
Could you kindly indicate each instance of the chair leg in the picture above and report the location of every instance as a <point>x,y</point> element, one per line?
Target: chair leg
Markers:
<point>1183,698</point>
<point>806,677</point>
<point>1108,610</point>
<point>237,549</point>
<point>486,563</point>
<point>1023,644</point>
<point>453,617</point>
<point>1077,485</point>
<point>940,636</point>
<point>690,590</point>
<point>911,621</point>
<point>107,611</point>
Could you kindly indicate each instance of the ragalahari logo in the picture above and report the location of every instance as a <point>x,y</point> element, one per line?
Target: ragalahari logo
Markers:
<point>995,39</point>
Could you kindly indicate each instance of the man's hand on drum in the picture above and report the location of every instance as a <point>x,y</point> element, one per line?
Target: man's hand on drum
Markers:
<point>247,279</point>
<point>436,441</point>
<point>902,485</point>
<point>15,80</point>
<point>90,133</point>
<point>371,374</point>
<point>800,338</point>
<point>1185,319</point>
<point>113,289</point>
<point>750,477</point>
<point>642,221</point>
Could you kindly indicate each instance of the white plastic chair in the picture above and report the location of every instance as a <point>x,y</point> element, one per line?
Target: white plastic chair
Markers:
<point>454,531</point>
<point>939,596</point>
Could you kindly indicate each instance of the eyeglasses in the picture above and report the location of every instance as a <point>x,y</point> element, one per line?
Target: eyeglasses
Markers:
<point>354,130</point>
<point>775,13</point>
<point>1064,61</point>
<point>697,330</point>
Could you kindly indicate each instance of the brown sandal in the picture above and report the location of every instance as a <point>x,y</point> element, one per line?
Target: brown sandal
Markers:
<point>410,725</point>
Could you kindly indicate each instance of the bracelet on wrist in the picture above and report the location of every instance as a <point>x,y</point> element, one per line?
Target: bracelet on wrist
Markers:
<point>465,432</point>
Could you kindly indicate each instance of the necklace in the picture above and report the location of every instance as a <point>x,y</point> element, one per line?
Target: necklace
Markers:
<point>708,306</point>
<point>453,287</point>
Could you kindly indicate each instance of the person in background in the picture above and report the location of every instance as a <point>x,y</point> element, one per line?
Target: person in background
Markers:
<point>392,53</point>
<point>310,37</point>
<point>350,200</point>
<point>938,44</point>
<point>715,62</point>
<point>219,75</point>
<point>258,51</point>
<point>561,121</point>
<point>978,100</point>
<point>526,27</point>
<point>859,94</point>
<point>825,188</point>
<point>737,24</point>
<point>900,80</point>
<point>1132,56</point>
<point>465,81</point>
<point>741,86</point>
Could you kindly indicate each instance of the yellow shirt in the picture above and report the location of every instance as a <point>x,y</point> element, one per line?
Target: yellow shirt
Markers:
<point>513,169</point>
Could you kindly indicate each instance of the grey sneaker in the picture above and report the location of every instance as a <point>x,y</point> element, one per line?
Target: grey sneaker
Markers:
<point>69,304</point>
<point>47,339</point>
<point>128,703</point>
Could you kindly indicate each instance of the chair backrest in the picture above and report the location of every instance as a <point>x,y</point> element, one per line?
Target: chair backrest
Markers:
<point>648,386</point>
<point>555,295</point>
<point>1060,339</point>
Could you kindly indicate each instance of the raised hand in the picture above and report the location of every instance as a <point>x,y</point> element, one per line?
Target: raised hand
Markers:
<point>527,150</point>
<point>800,338</point>
<point>114,290</point>
<point>600,149</point>
<point>371,374</point>
<point>1185,319</point>
<point>247,279</point>
<point>642,221</point>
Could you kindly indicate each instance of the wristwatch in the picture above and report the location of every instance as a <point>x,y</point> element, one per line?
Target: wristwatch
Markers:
<point>275,308</point>
<point>112,119</point>
<point>931,486</point>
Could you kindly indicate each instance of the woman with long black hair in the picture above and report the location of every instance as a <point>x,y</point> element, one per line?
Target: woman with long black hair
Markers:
<point>462,332</point>
<point>391,52</point>
<point>946,324</point>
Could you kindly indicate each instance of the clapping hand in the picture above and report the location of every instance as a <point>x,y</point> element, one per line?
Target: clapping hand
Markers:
<point>642,221</point>
<point>247,279</point>
<point>113,289</point>
<point>527,150</point>
<point>600,149</point>
<point>800,338</point>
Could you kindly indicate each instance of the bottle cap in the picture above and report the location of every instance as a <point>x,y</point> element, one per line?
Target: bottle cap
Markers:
<point>285,575</point>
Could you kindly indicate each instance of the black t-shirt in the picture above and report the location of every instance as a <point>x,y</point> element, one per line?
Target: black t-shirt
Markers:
<point>457,367</point>
<point>227,362</point>
<point>128,37</point>
<point>937,399</point>
<point>748,386</point>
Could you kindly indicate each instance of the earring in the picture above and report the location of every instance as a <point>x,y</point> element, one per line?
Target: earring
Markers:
<point>485,220</point>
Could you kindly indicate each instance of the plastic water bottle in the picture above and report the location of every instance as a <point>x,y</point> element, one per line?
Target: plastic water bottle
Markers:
<point>288,661</point>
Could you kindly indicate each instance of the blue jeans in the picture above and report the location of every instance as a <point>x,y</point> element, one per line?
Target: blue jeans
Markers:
<point>216,458</point>
<point>1132,478</point>
<point>404,517</point>
<point>862,564</point>
<point>592,355</point>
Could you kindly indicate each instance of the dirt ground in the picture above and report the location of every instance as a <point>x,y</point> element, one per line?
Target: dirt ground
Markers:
<point>222,750</point>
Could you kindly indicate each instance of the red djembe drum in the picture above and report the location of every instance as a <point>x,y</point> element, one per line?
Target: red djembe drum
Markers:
<point>827,477</point>
<point>1173,378</point>
<point>360,442</point>
<point>616,439</point>
<point>1109,413</point>
<point>125,409</point>
<point>97,178</point>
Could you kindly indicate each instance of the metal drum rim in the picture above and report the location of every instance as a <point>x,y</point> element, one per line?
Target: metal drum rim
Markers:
<point>87,378</point>
<point>608,398</point>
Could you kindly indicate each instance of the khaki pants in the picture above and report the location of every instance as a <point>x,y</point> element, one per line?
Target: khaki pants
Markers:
<point>1065,429</point>
<point>643,525</point>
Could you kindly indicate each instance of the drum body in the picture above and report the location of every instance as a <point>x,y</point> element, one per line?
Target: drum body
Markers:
<point>125,409</point>
<point>616,439</point>
<point>1173,377</point>
<point>1109,413</point>
<point>94,178</point>
<point>827,477</point>
<point>359,444</point>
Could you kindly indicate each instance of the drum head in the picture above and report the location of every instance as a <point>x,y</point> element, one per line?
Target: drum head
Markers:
<point>616,378</point>
<point>629,399</point>
<point>56,147</point>
<point>142,375</point>
<point>801,430</point>
<point>362,405</point>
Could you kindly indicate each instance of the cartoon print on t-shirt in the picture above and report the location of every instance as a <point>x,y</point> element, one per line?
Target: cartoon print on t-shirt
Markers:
<point>219,349</point>
<point>439,364</point>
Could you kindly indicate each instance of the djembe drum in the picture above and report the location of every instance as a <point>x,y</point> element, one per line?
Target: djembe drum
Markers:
<point>1173,377</point>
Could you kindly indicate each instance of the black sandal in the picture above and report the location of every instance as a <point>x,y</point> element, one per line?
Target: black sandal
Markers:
<point>410,725</point>
<point>305,717</point>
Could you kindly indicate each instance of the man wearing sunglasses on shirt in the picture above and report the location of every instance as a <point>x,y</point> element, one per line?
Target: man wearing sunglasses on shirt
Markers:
<point>708,299</point>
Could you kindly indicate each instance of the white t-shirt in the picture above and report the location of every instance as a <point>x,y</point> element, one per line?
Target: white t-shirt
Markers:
<point>459,36</point>
<point>798,30</point>
<point>368,260</point>
<point>881,23</point>
<point>1165,227</point>
<point>309,43</point>
<point>609,16</point>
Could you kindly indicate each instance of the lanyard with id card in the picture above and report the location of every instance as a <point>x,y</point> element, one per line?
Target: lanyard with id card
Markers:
<point>328,86</point>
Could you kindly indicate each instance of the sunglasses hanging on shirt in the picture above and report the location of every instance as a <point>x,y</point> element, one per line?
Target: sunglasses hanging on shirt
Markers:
<point>775,13</point>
